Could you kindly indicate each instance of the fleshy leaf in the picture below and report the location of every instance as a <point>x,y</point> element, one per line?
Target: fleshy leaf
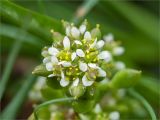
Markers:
<point>125,78</point>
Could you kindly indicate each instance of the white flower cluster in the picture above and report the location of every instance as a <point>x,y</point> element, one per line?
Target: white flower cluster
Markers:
<point>77,58</point>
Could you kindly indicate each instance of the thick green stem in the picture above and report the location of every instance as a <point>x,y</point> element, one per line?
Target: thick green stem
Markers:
<point>144,102</point>
<point>49,103</point>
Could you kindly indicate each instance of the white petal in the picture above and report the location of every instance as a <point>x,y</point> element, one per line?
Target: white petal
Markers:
<point>78,42</point>
<point>64,82</point>
<point>49,66</point>
<point>100,44</point>
<point>114,115</point>
<point>101,73</point>
<point>54,60</point>
<point>75,32</point>
<point>82,66</point>
<point>51,75</point>
<point>93,44</point>
<point>68,30</point>
<point>87,36</point>
<point>109,38</point>
<point>92,65</point>
<point>86,82</point>
<point>66,42</point>
<point>53,51</point>
<point>80,53</point>
<point>105,55</point>
<point>46,60</point>
<point>75,82</point>
<point>65,63</point>
<point>119,65</point>
<point>73,56</point>
<point>82,29</point>
<point>118,51</point>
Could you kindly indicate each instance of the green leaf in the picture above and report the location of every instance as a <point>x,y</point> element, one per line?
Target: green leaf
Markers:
<point>50,94</point>
<point>19,16</point>
<point>19,34</point>
<point>125,78</point>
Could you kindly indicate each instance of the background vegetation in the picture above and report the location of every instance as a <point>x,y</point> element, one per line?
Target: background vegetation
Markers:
<point>25,29</point>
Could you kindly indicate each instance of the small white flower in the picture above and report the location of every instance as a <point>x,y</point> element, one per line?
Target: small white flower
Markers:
<point>53,51</point>
<point>54,60</point>
<point>86,82</point>
<point>114,115</point>
<point>93,44</point>
<point>66,42</point>
<point>87,36</point>
<point>73,56</point>
<point>118,51</point>
<point>82,28</point>
<point>75,82</point>
<point>78,42</point>
<point>49,66</point>
<point>100,44</point>
<point>75,32</point>
<point>83,66</point>
<point>92,65</point>
<point>105,55</point>
<point>63,81</point>
<point>65,63</point>
<point>80,53</point>
<point>46,60</point>
<point>109,38</point>
<point>101,72</point>
<point>119,65</point>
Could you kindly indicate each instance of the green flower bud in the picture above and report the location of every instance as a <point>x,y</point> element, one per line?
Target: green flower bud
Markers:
<point>96,33</point>
<point>40,70</point>
<point>125,78</point>
<point>57,37</point>
<point>83,105</point>
<point>77,91</point>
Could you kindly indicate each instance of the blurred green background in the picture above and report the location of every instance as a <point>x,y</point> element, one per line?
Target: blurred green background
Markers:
<point>25,29</point>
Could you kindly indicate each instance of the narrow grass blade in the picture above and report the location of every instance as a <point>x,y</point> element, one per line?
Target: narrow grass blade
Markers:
<point>11,110</point>
<point>10,61</point>
<point>11,32</point>
<point>84,9</point>
<point>143,20</point>
<point>144,102</point>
